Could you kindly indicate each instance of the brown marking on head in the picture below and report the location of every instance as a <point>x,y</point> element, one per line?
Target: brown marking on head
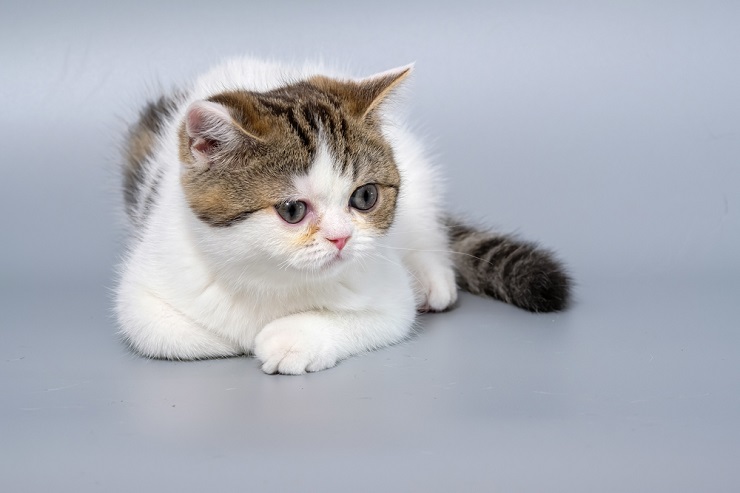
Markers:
<point>362,97</point>
<point>241,150</point>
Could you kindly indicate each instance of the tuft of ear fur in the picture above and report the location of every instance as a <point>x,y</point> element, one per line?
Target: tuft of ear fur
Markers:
<point>363,96</point>
<point>208,127</point>
<point>207,130</point>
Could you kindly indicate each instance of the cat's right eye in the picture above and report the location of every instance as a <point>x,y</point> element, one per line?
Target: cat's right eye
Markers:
<point>364,198</point>
<point>292,211</point>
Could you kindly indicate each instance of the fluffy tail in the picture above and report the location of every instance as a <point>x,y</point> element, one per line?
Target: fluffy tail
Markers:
<point>507,269</point>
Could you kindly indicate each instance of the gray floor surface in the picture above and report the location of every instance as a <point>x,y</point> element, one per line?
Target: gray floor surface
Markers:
<point>635,389</point>
<point>609,131</point>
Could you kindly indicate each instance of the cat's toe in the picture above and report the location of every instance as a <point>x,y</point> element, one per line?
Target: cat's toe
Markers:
<point>290,363</point>
<point>439,291</point>
<point>291,350</point>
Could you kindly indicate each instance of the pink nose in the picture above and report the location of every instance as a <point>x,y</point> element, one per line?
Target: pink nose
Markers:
<point>339,242</point>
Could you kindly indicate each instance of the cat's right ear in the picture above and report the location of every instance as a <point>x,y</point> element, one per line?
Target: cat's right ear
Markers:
<point>209,131</point>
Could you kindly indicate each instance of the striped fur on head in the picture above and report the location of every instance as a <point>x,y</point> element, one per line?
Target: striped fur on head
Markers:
<point>242,149</point>
<point>508,269</point>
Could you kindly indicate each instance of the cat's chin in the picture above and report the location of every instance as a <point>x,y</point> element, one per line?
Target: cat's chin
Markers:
<point>333,265</point>
<point>337,262</point>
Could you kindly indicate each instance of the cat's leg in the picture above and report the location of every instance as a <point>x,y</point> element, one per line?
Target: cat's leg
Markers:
<point>426,254</point>
<point>376,310</point>
<point>433,273</point>
<point>154,328</point>
<point>313,341</point>
<point>420,234</point>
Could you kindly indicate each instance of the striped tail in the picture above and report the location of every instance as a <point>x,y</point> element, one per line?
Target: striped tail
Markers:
<point>507,269</point>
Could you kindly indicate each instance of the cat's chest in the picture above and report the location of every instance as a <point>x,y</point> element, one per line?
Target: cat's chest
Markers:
<point>241,315</point>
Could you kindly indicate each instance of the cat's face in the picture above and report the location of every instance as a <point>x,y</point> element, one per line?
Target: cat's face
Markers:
<point>325,219</point>
<point>301,175</point>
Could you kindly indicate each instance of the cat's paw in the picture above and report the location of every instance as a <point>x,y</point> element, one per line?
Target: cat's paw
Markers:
<point>437,288</point>
<point>291,347</point>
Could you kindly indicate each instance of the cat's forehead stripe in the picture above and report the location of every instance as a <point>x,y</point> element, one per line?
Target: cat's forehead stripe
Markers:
<point>308,113</point>
<point>292,123</point>
<point>324,182</point>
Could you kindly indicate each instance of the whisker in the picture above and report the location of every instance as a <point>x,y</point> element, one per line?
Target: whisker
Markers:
<point>439,251</point>
<point>383,257</point>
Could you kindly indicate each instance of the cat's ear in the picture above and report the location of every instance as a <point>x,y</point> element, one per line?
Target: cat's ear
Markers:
<point>363,96</point>
<point>208,131</point>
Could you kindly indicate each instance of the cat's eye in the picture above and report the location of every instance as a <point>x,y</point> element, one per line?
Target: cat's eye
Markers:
<point>292,211</point>
<point>364,198</point>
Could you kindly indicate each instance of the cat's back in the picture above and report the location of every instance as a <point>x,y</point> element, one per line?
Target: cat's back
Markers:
<point>140,176</point>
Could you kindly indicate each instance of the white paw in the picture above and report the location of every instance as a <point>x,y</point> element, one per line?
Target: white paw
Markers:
<point>437,288</point>
<point>289,347</point>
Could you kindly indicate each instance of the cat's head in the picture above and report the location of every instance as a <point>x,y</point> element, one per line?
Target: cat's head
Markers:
<point>300,177</point>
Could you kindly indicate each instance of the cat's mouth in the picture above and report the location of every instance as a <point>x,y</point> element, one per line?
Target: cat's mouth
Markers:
<point>337,259</point>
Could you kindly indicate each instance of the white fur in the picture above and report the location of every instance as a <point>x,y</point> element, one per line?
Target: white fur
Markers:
<point>189,290</point>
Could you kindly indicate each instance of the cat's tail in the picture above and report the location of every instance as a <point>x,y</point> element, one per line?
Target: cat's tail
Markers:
<point>508,269</point>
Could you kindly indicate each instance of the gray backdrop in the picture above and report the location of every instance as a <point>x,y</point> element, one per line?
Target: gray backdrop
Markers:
<point>609,131</point>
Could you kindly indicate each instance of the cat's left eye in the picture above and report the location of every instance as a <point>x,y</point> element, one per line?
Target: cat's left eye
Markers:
<point>364,198</point>
<point>292,211</point>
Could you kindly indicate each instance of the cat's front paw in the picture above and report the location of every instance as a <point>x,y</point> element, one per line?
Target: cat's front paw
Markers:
<point>293,346</point>
<point>436,286</point>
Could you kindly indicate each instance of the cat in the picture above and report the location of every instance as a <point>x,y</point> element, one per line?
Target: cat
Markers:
<point>287,213</point>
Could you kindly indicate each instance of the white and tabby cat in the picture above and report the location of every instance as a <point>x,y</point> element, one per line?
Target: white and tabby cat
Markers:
<point>283,212</point>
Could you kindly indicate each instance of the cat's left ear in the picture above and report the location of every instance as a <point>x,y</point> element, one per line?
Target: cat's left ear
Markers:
<point>208,132</point>
<point>363,96</point>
